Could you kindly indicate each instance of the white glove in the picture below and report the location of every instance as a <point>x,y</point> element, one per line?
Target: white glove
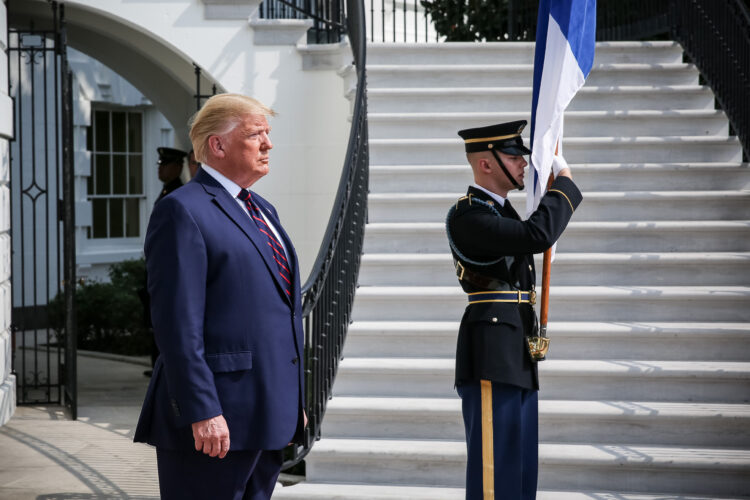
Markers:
<point>558,164</point>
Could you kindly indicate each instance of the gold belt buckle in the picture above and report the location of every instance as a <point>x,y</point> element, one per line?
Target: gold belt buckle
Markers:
<point>460,270</point>
<point>532,297</point>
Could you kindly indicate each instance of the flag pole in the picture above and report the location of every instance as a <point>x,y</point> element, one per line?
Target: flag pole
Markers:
<point>546,268</point>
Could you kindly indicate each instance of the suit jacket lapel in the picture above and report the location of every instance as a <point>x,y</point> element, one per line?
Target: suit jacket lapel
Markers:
<point>233,210</point>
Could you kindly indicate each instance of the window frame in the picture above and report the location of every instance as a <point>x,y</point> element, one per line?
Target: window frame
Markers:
<point>91,188</point>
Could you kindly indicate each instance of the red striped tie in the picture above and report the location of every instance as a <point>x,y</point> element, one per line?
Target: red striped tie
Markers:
<point>277,249</point>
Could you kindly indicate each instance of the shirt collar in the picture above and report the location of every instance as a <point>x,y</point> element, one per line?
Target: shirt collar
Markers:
<point>494,196</point>
<point>230,186</point>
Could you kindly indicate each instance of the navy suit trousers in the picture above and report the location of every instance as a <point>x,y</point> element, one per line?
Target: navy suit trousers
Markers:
<point>241,475</point>
<point>515,441</point>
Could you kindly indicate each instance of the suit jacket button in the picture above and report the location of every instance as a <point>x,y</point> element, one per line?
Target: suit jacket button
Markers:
<point>494,320</point>
<point>295,361</point>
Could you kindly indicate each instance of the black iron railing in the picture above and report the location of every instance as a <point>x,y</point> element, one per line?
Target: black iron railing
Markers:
<point>502,20</point>
<point>329,291</point>
<point>328,17</point>
<point>716,36</point>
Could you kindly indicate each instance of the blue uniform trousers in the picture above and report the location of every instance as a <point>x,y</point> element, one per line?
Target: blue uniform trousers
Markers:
<point>515,438</point>
<point>241,475</point>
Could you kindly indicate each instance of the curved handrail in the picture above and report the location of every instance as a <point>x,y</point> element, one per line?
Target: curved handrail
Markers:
<point>329,290</point>
<point>716,37</point>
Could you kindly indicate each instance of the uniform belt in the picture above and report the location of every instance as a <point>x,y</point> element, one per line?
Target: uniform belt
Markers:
<point>480,280</point>
<point>515,297</point>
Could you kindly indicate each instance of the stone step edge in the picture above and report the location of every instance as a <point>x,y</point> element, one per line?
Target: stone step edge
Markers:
<point>568,455</point>
<point>577,257</point>
<point>568,409</point>
<point>579,166</point>
<point>505,46</point>
<point>523,90</point>
<point>462,68</point>
<point>501,115</point>
<point>636,225</point>
<point>580,141</point>
<point>636,195</point>
<point>693,370</point>
<point>570,329</point>
<point>578,292</point>
<point>358,491</point>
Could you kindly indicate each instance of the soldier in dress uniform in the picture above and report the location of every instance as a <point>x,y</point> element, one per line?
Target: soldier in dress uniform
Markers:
<point>170,168</point>
<point>496,376</point>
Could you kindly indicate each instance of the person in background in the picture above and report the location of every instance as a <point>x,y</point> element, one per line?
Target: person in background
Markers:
<point>193,164</point>
<point>170,163</point>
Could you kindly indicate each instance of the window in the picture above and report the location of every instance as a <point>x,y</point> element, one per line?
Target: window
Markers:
<point>115,187</point>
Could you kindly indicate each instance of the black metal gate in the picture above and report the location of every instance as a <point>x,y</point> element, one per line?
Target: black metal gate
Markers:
<point>42,214</point>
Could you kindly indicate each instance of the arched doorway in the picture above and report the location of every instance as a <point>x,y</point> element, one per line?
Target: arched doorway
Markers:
<point>45,237</point>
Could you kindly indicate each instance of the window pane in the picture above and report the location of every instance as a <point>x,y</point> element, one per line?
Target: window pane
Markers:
<point>102,174</point>
<point>135,173</point>
<point>99,208</point>
<point>116,229</point>
<point>135,141</point>
<point>118,131</point>
<point>101,126</point>
<point>90,184</point>
<point>89,137</point>
<point>132,217</point>
<point>119,175</point>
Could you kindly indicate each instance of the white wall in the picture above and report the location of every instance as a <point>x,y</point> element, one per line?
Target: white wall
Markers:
<point>95,83</point>
<point>153,44</point>
<point>7,381</point>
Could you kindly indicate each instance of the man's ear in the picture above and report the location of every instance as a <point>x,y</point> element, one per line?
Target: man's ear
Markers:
<point>484,165</point>
<point>216,146</point>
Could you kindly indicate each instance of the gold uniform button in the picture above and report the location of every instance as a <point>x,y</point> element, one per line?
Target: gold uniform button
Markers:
<point>494,320</point>
<point>530,267</point>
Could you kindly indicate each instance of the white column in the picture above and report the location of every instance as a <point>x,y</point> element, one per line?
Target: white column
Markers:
<point>7,381</point>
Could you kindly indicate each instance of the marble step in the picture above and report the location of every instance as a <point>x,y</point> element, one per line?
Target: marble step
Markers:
<point>616,96</point>
<point>589,177</point>
<point>560,421</point>
<point>597,206</point>
<point>567,303</point>
<point>575,150</point>
<point>629,123</point>
<point>348,491</point>
<point>514,75</point>
<point>657,469</point>
<point>635,236</point>
<point>633,380</point>
<point>584,340</point>
<point>627,268</point>
<point>459,53</point>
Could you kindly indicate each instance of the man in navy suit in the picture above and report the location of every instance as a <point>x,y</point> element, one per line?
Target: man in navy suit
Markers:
<point>227,392</point>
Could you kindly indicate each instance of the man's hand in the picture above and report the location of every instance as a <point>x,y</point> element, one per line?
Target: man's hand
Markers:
<point>212,436</point>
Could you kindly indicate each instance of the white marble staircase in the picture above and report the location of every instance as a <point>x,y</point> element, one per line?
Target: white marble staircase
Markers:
<point>646,392</point>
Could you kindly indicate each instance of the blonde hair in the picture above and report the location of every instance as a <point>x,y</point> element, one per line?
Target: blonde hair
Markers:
<point>219,115</point>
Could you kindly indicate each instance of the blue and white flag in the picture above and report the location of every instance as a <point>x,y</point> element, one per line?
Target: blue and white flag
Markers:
<point>565,35</point>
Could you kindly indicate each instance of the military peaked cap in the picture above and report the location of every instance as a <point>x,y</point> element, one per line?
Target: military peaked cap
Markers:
<point>503,137</point>
<point>170,155</point>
